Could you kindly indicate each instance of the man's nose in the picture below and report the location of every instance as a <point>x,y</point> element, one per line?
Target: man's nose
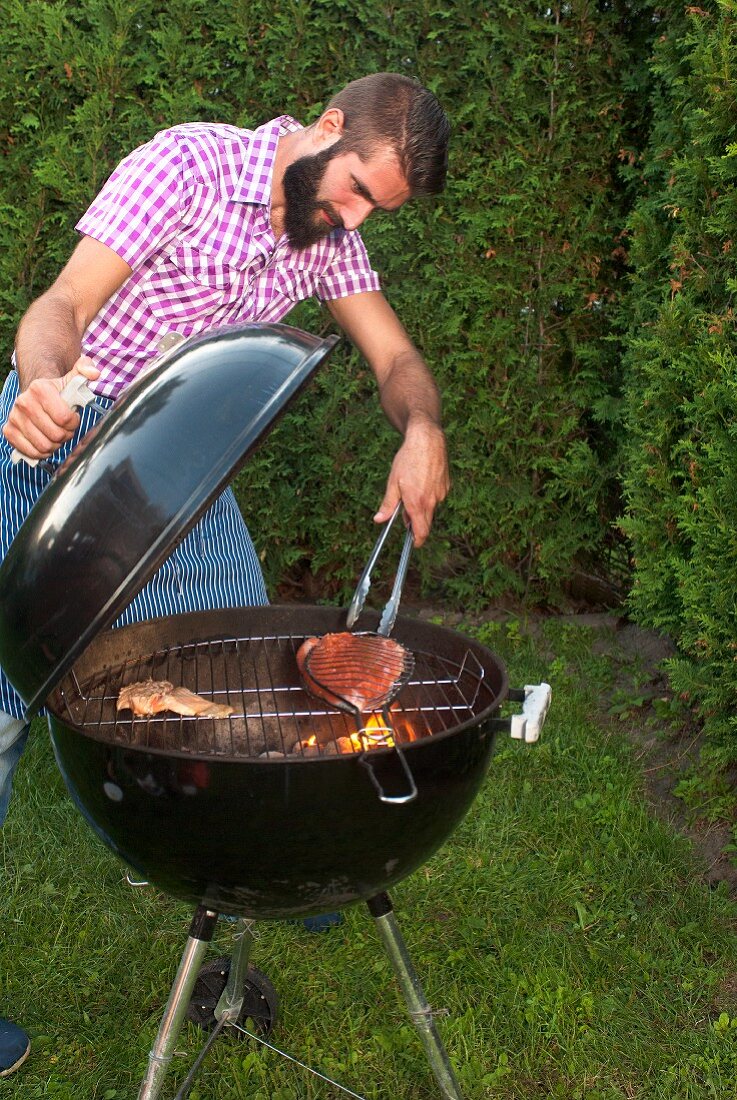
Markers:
<point>356,214</point>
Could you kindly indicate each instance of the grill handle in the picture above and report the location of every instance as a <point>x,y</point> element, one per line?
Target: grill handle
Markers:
<point>78,395</point>
<point>535,699</point>
<point>396,799</point>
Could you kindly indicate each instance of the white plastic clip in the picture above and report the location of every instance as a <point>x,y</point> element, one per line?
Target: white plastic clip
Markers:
<point>527,725</point>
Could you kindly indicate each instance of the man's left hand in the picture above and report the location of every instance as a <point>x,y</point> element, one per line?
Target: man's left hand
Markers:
<point>418,477</point>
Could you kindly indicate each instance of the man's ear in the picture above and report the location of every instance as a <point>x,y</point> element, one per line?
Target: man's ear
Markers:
<point>329,127</point>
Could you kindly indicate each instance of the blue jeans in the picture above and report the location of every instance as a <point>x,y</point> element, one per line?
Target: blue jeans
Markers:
<point>13,737</point>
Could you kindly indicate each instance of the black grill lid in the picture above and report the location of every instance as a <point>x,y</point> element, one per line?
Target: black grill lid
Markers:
<point>135,486</point>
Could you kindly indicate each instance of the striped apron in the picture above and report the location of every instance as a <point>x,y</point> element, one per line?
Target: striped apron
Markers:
<point>215,566</point>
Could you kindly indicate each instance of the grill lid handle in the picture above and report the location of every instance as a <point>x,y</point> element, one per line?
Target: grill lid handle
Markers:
<point>77,395</point>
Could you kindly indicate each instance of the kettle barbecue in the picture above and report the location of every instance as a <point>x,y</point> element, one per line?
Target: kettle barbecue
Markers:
<point>205,808</point>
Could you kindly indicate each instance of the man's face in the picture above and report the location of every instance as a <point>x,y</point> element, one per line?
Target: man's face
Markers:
<point>334,189</point>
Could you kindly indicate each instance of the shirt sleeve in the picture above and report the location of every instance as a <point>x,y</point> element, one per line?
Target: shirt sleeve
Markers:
<point>140,207</point>
<point>350,271</point>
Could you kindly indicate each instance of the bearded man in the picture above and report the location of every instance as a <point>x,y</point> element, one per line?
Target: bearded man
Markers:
<point>211,225</point>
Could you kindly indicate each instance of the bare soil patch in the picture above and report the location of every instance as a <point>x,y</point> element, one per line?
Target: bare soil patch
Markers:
<point>664,750</point>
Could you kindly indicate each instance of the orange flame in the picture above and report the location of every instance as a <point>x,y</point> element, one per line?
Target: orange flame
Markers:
<point>374,733</point>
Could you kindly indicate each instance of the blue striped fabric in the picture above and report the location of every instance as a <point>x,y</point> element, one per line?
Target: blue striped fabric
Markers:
<point>215,566</point>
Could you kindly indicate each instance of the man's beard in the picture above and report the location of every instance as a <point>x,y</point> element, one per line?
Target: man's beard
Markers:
<point>301,182</point>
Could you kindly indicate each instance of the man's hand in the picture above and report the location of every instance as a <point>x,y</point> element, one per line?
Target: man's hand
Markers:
<point>411,402</point>
<point>418,477</point>
<point>40,421</point>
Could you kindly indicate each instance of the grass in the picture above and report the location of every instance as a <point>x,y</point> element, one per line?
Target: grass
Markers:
<point>565,931</point>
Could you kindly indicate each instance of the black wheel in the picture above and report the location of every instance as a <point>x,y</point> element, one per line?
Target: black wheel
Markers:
<point>260,999</point>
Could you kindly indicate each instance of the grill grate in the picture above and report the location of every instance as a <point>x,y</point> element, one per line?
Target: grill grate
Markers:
<point>258,676</point>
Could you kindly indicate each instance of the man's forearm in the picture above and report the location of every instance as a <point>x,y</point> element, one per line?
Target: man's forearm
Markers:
<point>408,393</point>
<point>48,346</point>
<point>49,338</point>
<point>419,473</point>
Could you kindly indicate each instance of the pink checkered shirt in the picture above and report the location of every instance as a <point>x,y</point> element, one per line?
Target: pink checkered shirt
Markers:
<point>189,212</point>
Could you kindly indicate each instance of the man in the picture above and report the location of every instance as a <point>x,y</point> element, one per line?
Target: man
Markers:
<point>209,225</point>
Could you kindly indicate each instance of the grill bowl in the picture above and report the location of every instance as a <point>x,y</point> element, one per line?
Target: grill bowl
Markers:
<point>267,837</point>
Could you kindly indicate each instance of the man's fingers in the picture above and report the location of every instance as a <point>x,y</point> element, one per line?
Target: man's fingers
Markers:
<point>386,511</point>
<point>83,366</point>
<point>37,436</point>
<point>421,520</point>
<point>419,515</point>
<point>41,420</point>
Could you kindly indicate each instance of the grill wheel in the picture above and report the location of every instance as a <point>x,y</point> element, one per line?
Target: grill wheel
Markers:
<point>260,998</point>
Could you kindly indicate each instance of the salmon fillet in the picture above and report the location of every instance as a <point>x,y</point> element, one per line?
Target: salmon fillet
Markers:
<point>359,671</point>
<point>148,697</point>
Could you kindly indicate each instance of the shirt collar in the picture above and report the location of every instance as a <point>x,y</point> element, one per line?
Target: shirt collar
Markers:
<point>254,182</point>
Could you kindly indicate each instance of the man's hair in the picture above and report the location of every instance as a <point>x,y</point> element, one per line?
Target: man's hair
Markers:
<point>396,110</point>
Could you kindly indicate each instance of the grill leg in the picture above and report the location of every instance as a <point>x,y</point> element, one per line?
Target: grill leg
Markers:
<point>231,1001</point>
<point>200,933</point>
<point>382,911</point>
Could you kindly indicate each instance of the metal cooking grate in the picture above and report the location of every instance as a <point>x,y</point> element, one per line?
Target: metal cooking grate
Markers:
<point>258,676</point>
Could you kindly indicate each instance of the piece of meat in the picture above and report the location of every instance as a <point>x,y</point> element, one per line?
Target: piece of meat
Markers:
<point>148,697</point>
<point>144,697</point>
<point>318,690</point>
<point>361,672</point>
<point>183,701</point>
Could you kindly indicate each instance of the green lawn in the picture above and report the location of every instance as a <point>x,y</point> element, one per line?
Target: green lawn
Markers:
<point>563,929</point>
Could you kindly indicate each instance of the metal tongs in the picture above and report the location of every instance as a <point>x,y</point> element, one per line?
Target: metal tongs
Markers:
<point>389,613</point>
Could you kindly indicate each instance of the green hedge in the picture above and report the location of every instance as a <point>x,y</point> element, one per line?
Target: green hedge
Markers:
<point>508,282</point>
<point>681,472</point>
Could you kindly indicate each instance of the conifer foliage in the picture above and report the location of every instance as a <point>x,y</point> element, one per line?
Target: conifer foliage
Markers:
<point>681,467</point>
